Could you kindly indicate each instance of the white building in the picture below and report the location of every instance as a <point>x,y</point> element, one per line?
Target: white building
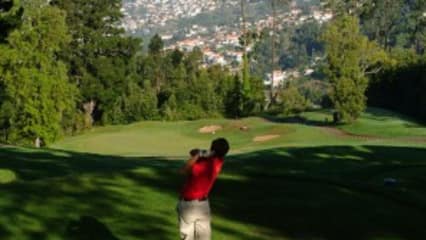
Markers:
<point>280,77</point>
<point>277,80</point>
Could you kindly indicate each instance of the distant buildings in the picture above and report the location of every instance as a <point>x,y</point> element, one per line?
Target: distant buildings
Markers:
<point>276,80</point>
<point>321,16</point>
<point>280,77</point>
<point>219,44</point>
<point>150,13</point>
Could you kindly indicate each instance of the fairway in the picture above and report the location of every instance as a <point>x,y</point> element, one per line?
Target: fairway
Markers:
<point>284,179</point>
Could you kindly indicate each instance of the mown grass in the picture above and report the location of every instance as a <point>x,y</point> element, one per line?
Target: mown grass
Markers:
<point>174,138</point>
<point>376,122</point>
<point>306,184</point>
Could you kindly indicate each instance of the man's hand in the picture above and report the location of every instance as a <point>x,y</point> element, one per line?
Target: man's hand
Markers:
<point>194,152</point>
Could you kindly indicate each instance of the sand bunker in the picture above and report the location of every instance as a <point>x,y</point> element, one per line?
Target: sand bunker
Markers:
<point>244,128</point>
<point>265,138</point>
<point>210,129</point>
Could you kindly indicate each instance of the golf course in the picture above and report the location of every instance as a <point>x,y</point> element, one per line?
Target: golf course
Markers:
<point>298,178</point>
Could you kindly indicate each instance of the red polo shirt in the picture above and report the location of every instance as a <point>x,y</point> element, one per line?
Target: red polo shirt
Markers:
<point>201,178</point>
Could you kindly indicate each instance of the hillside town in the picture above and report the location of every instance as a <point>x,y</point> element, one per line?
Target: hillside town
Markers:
<point>219,44</point>
<point>150,14</point>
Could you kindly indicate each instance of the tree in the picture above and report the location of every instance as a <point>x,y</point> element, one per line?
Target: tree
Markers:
<point>10,17</point>
<point>412,28</point>
<point>35,82</point>
<point>392,23</point>
<point>291,101</point>
<point>249,94</point>
<point>156,45</point>
<point>274,4</point>
<point>206,91</point>
<point>235,100</point>
<point>244,40</point>
<point>155,48</point>
<point>101,59</point>
<point>254,102</point>
<point>176,57</point>
<point>306,37</point>
<point>149,109</point>
<point>135,104</point>
<point>193,60</point>
<point>350,58</point>
<point>418,33</point>
<point>348,7</point>
<point>381,20</point>
<point>223,82</point>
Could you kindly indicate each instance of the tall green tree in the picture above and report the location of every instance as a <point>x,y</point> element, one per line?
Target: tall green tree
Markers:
<point>274,5</point>
<point>254,103</point>
<point>223,82</point>
<point>155,49</point>
<point>37,95</point>
<point>101,59</point>
<point>234,104</point>
<point>350,58</point>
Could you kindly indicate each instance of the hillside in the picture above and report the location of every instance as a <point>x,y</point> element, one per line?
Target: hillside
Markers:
<point>175,19</point>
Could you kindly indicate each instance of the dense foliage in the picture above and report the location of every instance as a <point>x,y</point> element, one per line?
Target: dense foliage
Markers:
<point>402,87</point>
<point>36,95</point>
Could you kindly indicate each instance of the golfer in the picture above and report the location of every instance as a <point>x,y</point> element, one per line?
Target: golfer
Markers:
<point>193,208</point>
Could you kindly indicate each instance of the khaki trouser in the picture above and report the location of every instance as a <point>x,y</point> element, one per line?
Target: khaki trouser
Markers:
<point>194,220</point>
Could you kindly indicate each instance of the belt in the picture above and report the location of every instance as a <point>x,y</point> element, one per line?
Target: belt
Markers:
<point>195,199</point>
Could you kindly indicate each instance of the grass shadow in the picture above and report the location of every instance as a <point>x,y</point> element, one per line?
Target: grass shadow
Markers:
<point>88,228</point>
<point>53,186</point>
<point>327,122</point>
<point>330,192</point>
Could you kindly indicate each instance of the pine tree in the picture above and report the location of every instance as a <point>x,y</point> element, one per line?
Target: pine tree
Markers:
<point>235,100</point>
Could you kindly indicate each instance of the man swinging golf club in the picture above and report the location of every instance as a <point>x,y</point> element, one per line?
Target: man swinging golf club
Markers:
<point>193,208</point>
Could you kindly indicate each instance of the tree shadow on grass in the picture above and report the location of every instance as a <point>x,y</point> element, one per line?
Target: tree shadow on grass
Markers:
<point>56,187</point>
<point>331,192</point>
<point>88,228</point>
<point>326,122</point>
<point>374,114</point>
<point>379,114</point>
<point>328,192</point>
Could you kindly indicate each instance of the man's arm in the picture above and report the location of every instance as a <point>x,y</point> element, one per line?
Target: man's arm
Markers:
<point>191,161</point>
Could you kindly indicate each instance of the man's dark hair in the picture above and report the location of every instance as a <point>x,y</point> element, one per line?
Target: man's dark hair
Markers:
<point>220,146</point>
